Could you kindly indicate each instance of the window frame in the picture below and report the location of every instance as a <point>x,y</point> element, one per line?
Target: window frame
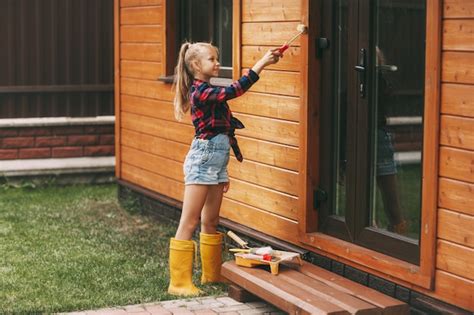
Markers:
<point>400,271</point>
<point>172,43</point>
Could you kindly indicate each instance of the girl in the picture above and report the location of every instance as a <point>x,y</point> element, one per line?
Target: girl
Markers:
<point>205,167</point>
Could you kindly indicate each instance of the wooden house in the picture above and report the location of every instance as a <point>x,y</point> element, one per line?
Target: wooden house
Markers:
<point>359,143</point>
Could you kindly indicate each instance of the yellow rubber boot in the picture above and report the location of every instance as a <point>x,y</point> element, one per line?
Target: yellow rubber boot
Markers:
<point>211,257</point>
<point>181,267</point>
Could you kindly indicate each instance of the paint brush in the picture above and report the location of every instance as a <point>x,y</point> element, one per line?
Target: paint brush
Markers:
<point>301,28</point>
<point>257,250</point>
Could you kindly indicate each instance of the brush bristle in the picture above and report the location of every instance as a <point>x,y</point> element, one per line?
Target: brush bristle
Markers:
<point>302,28</point>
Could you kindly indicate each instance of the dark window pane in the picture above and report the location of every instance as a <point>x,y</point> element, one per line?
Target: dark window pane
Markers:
<point>208,21</point>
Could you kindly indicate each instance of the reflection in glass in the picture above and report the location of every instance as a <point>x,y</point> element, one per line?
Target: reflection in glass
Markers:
<point>397,131</point>
<point>340,81</point>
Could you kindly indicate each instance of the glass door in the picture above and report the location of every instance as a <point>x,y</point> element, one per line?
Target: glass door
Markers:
<point>371,123</point>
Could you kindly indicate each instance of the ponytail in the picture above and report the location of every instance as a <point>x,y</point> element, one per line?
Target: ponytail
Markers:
<point>184,75</point>
<point>183,81</point>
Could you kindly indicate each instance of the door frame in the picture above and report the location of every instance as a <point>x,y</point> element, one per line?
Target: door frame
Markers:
<point>421,275</point>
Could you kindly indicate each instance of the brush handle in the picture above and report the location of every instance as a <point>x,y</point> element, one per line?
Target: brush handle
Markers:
<point>237,239</point>
<point>239,250</point>
<point>283,48</point>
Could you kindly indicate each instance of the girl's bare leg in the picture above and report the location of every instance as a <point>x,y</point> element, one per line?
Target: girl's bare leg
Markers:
<point>210,212</point>
<point>194,198</point>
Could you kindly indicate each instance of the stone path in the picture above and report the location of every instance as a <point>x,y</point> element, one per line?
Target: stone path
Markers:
<point>199,306</point>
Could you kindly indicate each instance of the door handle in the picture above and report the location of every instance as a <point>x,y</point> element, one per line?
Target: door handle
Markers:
<point>361,72</point>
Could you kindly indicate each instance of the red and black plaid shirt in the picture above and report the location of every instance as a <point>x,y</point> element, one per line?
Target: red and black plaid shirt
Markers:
<point>210,112</point>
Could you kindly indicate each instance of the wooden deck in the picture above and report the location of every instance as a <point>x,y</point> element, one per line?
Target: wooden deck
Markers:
<point>312,290</point>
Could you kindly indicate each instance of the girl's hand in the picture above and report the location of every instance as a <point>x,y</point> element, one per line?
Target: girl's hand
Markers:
<point>272,56</point>
<point>226,187</point>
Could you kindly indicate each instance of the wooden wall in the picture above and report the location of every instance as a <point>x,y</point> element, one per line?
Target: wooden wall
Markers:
<point>264,188</point>
<point>264,192</point>
<point>455,242</point>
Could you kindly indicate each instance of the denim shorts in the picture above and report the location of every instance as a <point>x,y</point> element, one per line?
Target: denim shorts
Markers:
<point>385,154</point>
<point>206,162</point>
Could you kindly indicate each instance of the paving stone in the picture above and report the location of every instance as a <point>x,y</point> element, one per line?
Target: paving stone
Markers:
<point>228,301</point>
<point>108,311</point>
<point>172,304</point>
<point>134,309</point>
<point>198,307</point>
<point>180,311</point>
<point>252,311</point>
<point>221,305</point>
<point>157,310</point>
<point>233,308</point>
<point>216,305</point>
<point>208,301</point>
<point>191,303</point>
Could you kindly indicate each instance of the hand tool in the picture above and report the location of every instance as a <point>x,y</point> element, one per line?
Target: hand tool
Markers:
<point>301,28</point>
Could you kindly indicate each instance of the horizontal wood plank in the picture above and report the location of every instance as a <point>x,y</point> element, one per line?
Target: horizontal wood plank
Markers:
<point>273,130</point>
<point>350,303</point>
<point>266,176</point>
<point>154,145</point>
<point>141,69</point>
<point>271,10</point>
<point>135,3</point>
<point>141,52</point>
<point>456,227</point>
<point>455,195</point>
<point>457,34</point>
<point>456,164</point>
<point>141,15</point>
<point>454,290</point>
<point>147,88</point>
<point>272,34</point>
<point>253,149</point>
<point>152,181</point>
<point>287,296</point>
<point>153,163</point>
<point>457,99</point>
<point>156,127</point>
<point>149,107</point>
<point>291,60</point>
<point>457,132</point>
<point>263,198</point>
<point>278,82</point>
<point>262,221</point>
<point>269,153</point>
<point>141,34</point>
<point>268,105</point>
<point>457,67</point>
<point>455,259</point>
<point>386,303</point>
<point>458,9</point>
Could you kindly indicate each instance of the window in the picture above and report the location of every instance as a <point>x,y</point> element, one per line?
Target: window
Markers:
<point>200,20</point>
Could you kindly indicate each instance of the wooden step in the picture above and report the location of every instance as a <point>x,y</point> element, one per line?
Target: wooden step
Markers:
<point>312,290</point>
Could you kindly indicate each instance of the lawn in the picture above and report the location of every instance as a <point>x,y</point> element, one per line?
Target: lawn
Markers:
<point>74,248</point>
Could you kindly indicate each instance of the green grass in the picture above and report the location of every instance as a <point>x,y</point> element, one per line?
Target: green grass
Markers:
<point>74,248</point>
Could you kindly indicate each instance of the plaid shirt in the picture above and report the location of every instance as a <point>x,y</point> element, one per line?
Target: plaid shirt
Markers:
<point>210,112</point>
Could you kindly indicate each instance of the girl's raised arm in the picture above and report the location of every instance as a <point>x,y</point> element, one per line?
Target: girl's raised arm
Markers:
<point>206,93</point>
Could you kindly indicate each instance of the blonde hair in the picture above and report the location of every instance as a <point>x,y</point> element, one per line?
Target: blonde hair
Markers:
<point>184,75</point>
